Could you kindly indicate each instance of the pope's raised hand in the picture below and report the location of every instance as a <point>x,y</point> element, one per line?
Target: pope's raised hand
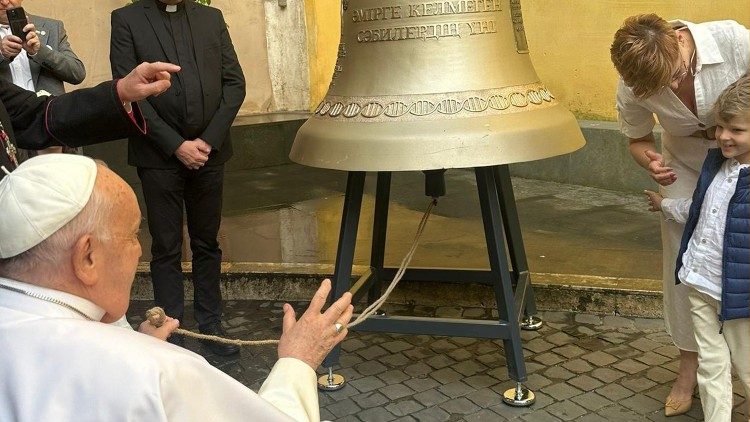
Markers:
<point>310,338</point>
<point>147,79</point>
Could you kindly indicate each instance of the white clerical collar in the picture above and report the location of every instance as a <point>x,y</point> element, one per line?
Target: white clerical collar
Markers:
<point>88,308</point>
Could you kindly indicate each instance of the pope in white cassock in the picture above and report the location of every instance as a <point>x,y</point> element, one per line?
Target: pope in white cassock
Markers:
<point>68,254</point>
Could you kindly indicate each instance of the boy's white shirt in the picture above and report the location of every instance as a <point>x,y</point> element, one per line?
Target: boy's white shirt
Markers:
<point>676,209</point>
<point>702,261</point>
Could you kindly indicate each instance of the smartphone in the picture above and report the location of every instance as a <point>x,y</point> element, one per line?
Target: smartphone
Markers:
<point>17,21</point>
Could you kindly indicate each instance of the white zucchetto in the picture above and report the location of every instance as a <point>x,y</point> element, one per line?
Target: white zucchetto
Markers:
<point>40,197</point>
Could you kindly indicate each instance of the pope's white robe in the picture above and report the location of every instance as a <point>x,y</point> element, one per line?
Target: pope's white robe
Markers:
<point>57,366</point>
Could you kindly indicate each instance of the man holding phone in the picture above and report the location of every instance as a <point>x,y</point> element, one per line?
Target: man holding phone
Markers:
<point>36,54</point>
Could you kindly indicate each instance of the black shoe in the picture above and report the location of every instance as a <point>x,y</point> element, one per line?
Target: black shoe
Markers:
<point>177,340</point>
<point>221,349</point>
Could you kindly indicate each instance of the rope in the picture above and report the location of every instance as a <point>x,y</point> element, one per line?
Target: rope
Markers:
<point>156,315</point>
<point>370,310</point>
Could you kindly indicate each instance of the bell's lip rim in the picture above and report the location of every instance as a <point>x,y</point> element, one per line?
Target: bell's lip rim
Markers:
<point>318,145</point>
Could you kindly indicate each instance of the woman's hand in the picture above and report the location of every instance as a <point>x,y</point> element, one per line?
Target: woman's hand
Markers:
<point>663,175</point>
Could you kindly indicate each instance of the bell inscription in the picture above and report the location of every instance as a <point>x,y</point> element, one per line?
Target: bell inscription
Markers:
<point>418,10</point>
<point>436,96</point>
<point>522,45</point>
<point>411,11</point>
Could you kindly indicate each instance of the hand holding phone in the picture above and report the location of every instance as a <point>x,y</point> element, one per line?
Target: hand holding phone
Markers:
<point>17,21</point>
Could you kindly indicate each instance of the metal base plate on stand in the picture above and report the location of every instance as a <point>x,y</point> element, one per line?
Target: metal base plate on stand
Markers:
<point>531,323</point>
<point>331,382</point>
<point>519,396</point>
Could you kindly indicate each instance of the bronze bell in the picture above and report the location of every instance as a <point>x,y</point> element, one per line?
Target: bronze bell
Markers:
<point>433,85</point>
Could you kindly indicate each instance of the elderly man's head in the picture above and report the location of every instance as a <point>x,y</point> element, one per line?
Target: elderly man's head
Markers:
<point>71,224</point>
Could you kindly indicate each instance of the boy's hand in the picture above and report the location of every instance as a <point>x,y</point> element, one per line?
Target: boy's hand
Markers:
<point>654,200</point>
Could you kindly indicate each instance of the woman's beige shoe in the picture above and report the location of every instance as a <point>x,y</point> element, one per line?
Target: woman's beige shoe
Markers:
<point>674,407</point>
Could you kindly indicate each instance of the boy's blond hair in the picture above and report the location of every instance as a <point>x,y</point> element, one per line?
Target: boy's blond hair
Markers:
<point>734,101</point>
<point>644,52</point>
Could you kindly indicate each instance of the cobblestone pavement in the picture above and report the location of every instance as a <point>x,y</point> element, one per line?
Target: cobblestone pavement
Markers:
<point>582,367</point>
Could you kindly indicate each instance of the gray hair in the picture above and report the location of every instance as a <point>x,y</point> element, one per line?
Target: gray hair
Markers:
<point>51,254</point>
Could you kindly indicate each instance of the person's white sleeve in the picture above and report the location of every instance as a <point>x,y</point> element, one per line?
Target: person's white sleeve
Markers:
<point>635,120</point>
<point>191,390</point>
<point>676,209</point>
<point>742,49</point>
<point>292,388</point>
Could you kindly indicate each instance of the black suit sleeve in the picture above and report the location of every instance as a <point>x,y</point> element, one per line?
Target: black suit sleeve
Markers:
<point>123,59</point>
<point>82,117</point>
<point>25,110</point>
<point>232,93</point>
<point>90,116</point>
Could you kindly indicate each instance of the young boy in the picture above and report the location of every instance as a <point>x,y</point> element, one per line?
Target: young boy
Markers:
<point>714,257</point>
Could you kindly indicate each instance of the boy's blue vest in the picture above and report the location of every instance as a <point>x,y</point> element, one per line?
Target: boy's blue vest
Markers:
<point>735,266</point>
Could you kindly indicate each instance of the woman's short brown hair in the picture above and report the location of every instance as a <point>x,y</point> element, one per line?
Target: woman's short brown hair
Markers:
<point>644,52</point>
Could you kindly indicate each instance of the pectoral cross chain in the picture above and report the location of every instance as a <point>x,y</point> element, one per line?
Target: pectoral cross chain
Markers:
<point>10,149</point>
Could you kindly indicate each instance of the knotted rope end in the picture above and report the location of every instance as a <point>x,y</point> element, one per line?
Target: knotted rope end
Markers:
<point>156,316</point>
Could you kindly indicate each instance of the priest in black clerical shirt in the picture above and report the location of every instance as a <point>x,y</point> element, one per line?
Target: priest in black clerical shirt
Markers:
<point>181,159</point>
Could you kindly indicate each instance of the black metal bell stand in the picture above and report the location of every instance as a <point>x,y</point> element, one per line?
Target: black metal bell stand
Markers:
<point>516,308</point>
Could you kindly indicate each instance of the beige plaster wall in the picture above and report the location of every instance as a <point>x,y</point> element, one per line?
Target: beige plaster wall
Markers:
<point>88,25</point>
<point>570,39</point>
<point>323,33</point>
<point>569,42</point>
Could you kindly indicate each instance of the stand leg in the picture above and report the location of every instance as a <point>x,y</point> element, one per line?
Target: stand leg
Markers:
<point>344,259</point>
<point>506,306</point>
<point>529,321</point>
<point>380,223</point>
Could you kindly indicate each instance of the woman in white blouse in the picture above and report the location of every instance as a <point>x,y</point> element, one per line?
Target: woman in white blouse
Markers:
<point>674,71</point>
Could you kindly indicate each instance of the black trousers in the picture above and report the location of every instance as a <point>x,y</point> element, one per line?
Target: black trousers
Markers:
<point>200,191</point>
